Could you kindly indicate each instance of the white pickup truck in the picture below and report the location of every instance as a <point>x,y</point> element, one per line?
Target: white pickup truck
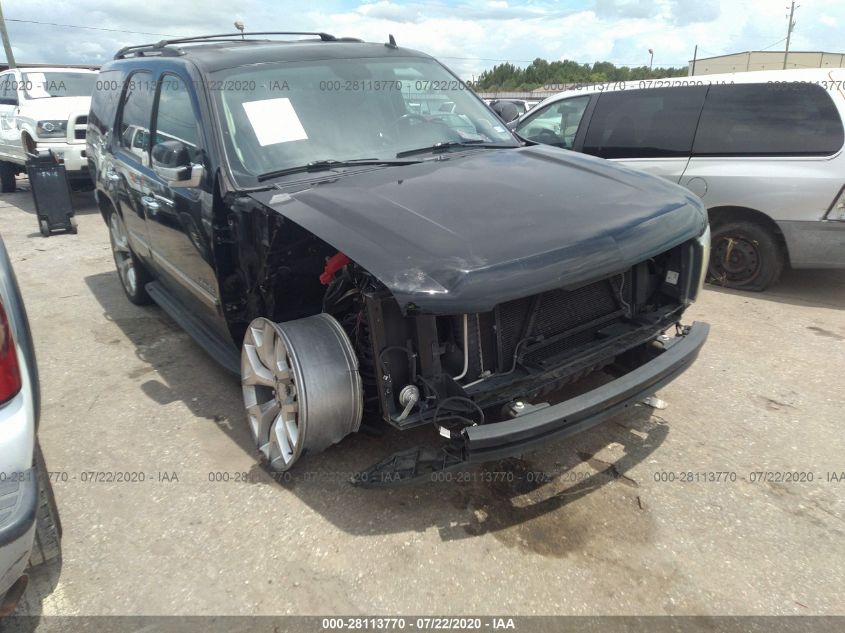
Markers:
<point>44,108</point>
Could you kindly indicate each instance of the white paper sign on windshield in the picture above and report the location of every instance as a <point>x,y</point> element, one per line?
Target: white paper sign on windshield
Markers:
<point>274,121</point>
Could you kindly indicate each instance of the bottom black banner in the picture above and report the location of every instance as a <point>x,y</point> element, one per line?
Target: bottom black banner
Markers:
<point>525,624</point>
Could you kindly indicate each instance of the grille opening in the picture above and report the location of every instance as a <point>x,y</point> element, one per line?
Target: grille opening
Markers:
<point>552,323</point>
<point>79,128</point>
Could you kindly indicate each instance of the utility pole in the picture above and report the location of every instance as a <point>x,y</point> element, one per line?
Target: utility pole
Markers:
<point>789,28</point>
<point>651,58</point>
<point>10,58</point>
<point>694,58</point>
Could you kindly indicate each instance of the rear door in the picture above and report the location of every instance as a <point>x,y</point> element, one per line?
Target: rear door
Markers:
<point>179,229</point>
<point>650,129</point>
<point>129,174</point>
<point>776,148</point>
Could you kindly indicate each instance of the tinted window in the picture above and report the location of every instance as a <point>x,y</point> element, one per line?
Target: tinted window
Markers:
<point>104,100</point>
<point>555,124</point>
<point>650,123</point>
<point>175,118</point>
<point>136,113</point>
<point>768,120</point>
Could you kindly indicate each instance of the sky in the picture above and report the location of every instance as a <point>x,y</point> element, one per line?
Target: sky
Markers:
<point>469,36</point>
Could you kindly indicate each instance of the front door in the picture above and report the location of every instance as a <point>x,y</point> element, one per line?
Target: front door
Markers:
<point>179,217</point>
<point>10,135</point>
<point>554,124</point>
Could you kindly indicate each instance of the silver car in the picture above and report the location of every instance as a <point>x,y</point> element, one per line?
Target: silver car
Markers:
<point>29,522</point>
<point>763,150</point>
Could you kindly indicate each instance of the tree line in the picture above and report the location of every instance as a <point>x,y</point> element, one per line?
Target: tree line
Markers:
<point>541,72</point>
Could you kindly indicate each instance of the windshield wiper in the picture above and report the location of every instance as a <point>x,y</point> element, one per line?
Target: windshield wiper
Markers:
<point>325,165</point>
<point>444,145</point>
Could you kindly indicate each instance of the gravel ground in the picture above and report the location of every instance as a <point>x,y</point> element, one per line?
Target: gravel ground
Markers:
<point>608,532</point>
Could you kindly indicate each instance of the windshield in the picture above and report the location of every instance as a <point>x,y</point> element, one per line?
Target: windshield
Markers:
<point>58,84</point>
<point>282,116</point>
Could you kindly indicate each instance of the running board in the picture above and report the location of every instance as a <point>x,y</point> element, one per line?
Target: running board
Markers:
<point>224,354</point>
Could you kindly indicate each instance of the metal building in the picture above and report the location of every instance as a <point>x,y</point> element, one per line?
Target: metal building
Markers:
<point>765,60</point>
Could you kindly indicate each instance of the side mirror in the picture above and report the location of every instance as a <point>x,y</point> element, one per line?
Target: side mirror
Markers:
<point>172,162</point>
<point>511,125</point>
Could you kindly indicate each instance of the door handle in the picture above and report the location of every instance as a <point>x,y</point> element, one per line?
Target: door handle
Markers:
<point>150,204</point>
<point>166,201</point>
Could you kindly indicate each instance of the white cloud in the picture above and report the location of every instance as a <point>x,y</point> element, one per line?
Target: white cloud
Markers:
<point>469,35</point>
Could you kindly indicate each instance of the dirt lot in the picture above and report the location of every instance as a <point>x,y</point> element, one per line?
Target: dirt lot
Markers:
<point>126,391</point>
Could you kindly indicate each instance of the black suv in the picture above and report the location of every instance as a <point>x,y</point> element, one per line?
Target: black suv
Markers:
<point>353,255</point>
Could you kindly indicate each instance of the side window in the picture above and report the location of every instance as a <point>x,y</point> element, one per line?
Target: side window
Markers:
<point>8,88</point>
<point>104,100</point>
<point>651,123</point>
<point>175,116</point>
<point>556,124</point>
<point>135,115</point>
<point>774,119</point>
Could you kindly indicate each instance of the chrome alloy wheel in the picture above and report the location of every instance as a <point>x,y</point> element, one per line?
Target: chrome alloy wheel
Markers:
<point>301,387</point>
<point>122,255</point>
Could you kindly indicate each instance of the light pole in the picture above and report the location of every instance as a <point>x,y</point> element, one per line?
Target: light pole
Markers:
<point>10,57</point>
<point>240,26</point>
<point>651,58</point>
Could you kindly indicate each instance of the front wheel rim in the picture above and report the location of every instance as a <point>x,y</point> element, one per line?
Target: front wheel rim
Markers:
<point>122,254</point>
<point>271,395</point>
<point>735,259</point>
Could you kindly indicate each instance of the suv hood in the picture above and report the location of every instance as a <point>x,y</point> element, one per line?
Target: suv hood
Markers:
<point>465,232</point>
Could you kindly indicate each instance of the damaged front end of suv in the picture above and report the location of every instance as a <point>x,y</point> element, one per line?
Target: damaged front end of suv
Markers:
<point>458,293</point>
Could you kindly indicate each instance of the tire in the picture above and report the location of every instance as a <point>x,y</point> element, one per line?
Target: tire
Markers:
<point>73,228</point>
<point>44,227</point>
<point>47,547</point>
<point>131,272</point>
<point>745,255</point>
<point>8,184</point>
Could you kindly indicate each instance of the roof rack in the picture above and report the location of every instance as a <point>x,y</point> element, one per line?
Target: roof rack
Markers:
<point>160,48</point>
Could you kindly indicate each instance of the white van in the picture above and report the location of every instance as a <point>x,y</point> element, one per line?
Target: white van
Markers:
<point>764,151</point>
<point>44,108</point>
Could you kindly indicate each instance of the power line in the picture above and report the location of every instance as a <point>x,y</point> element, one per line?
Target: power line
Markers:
<point>91,28</point>
<point>775,44</point>
<point>484,59</point>
<point>701,50</point>
<point>530,61</point>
